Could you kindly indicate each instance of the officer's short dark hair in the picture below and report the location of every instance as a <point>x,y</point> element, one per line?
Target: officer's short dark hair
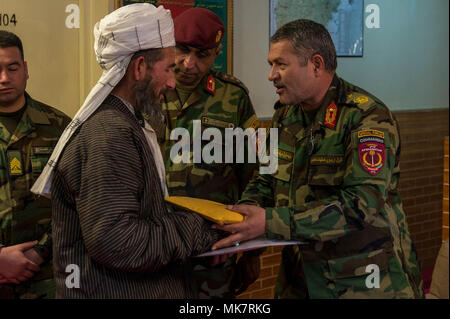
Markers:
<point>9,39</point>
<point>308,38</point>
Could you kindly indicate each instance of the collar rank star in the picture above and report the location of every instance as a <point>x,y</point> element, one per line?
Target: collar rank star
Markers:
<point>371,150</point>
<point>211,85</point>
<point>331,115</point>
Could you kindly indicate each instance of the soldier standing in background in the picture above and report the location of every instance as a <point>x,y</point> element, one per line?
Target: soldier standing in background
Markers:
<point>29,131</point>
<point>219,101</point>
<point>336,187</point>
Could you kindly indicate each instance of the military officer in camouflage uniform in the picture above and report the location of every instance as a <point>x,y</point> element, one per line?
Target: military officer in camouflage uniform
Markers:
<point>219,101</point>
<point>28,132</point>
<point>336,187</point>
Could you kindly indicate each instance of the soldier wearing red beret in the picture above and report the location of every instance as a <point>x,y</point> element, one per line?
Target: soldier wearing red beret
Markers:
<point>217,100</point>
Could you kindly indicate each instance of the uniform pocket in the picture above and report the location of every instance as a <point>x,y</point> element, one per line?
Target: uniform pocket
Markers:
<point>39,158</point>
<point>361,276</point>
<point>326,170</point>
<point>282,178</point>
<point>285,165</point>
<point>355,266</point>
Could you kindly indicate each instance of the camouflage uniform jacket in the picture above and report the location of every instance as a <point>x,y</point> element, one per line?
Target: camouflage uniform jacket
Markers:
<point>219,101</point>
<point>336,189</point>
<point>23,215</point>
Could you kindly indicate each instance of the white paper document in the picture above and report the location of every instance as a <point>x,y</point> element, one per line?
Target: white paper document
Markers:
<point>251,245</point>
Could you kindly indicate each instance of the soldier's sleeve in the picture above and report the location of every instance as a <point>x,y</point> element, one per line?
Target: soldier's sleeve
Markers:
<point>247,119</point>
<point>259,190</point>
<point>361,195</point>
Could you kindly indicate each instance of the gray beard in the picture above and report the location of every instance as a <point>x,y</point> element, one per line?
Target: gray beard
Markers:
<point>148,103</point>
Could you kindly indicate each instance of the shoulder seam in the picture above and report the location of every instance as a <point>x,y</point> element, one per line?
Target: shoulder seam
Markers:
<point>233,80</point>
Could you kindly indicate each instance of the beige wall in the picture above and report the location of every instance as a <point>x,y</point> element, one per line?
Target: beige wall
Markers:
<point>61,61</point>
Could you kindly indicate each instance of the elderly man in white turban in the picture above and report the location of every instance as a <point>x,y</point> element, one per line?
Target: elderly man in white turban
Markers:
<point>111,228</point>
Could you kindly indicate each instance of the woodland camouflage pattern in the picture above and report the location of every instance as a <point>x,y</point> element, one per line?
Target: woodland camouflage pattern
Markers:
<point>228,107</point>
<point>322,195</point>
<point>24,216</point>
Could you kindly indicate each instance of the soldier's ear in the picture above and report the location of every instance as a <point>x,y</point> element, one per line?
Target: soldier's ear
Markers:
<point>25,66</point>
<point>318,63</point>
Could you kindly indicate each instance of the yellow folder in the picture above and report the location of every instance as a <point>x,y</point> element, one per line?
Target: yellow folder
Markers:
<point>210,210</point>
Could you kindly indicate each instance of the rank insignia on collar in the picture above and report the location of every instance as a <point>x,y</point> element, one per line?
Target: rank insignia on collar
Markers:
<point>331,115</point>
<point>211,85</point>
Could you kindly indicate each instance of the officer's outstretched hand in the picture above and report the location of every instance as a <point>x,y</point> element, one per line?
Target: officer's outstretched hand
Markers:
<point>253,226</point>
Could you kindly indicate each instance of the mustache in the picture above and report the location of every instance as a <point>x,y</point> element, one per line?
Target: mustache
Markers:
<point>278,84</point>
<point>179,69</point>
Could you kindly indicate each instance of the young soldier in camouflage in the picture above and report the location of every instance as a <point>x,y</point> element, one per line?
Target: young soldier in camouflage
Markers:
<point>28,132</point>
<point>219,101</point>
<point>336,188</point>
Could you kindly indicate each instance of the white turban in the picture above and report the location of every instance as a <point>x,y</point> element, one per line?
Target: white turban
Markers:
<point>118,36</point>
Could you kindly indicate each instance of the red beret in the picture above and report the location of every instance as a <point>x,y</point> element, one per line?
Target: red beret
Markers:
<point>199,28</point>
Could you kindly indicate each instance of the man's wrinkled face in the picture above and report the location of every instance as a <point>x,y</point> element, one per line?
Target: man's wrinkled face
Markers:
<point>295,83</point>
<point>150,91</point>
<point>192,64</point>
<point>13,76</point>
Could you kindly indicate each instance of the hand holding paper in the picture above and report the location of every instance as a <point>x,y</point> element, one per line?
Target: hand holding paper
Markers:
<point>253,226</point>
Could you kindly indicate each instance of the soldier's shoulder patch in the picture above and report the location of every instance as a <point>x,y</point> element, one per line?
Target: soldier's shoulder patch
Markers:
<point>371,150</point>
<point>371,133</point>
<point>230,79</point>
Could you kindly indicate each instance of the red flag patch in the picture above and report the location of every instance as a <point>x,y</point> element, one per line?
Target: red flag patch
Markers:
<point>331,115</point>
<point>371,150</point>
<point>211,85</point>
